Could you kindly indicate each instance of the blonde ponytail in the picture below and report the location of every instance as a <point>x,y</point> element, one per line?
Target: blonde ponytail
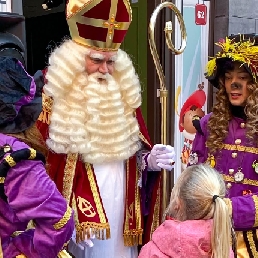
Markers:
<point>221,231</point>
<point>199,191</point>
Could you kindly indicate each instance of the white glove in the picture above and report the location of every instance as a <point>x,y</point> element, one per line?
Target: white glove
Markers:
<point>85,243</point>
<point>161,156</point>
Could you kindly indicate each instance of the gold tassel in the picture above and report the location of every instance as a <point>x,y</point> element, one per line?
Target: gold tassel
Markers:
<point>133,237</point>
<point>85,230</point>
<point>108,233</point>
<point>140,239</point>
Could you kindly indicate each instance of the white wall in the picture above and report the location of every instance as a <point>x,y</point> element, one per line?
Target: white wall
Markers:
<point>189,67</point>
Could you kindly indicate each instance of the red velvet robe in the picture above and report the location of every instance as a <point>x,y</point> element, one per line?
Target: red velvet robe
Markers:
<point>76,181</point>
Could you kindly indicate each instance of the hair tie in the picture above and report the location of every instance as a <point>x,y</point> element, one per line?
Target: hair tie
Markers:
<point>214,197</point>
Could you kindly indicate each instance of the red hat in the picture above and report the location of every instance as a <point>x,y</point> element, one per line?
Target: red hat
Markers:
<point>197,99</point>
<point>99,24</point>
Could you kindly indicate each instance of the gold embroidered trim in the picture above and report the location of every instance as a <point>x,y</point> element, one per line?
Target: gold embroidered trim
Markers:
<point>245,181</point>
<point>64,254</point>
<point>21,256</point>
<point>69,172</point>
<point>47,103</point>
<point>240,148</point>
<point>134,236</point>
<point>138,206</point>
<point>229,205</point>
<point>63,221</point>
<point>255,199</point>
<point>2,179</point>
<point>44,117</point>
<point>16,233</point>
<point>32,153</point>
<point>156,213</point>
<point>96,196</point>
<point>10,161</point>
<point>250,238</point>
<point>127,214</point>
<point>74,206</point>
<point>144,139</point>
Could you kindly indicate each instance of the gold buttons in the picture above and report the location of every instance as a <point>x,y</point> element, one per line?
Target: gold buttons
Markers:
<point>242,125</point>
<point>231,171</point>
<point>229,185</point>
<point>234,155</point>
<point>237,141</point>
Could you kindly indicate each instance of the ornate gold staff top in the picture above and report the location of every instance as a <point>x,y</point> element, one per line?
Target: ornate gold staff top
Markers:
<point>163,91</point>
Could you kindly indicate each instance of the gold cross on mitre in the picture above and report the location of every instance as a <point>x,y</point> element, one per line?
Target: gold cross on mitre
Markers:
<point>111,24</point>
<point>99,24</point>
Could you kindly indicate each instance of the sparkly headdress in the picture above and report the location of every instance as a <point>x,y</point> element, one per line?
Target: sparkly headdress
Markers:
<point>99,24</point>
<point>241,48</point>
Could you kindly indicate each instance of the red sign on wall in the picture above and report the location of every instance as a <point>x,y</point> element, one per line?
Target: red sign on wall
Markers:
<point>200,14</point>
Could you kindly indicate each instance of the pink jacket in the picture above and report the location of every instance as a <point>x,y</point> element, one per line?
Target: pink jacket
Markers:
<point>176,239</point>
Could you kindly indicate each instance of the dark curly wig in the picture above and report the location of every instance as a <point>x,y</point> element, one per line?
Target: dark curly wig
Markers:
<point>218,124</point>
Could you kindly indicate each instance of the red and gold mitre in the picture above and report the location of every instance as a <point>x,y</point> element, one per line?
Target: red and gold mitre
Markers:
<point>99,24</point>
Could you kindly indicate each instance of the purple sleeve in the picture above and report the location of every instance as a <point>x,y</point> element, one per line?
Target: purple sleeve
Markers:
<point>148,180</point>
<point>34,196</point>
<point>245,212</point>
<point>199,150</point>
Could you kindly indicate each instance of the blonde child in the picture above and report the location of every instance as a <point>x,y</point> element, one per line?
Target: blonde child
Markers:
<point>197,222</point>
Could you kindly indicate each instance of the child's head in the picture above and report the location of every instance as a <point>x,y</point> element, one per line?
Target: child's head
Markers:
<point>193,194</point>
<point>198,194</point>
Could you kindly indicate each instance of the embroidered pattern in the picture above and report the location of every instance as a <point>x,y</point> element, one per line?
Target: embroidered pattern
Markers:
<point>63,221</point>
<point>69,172</point>
<point>255,199</point>
<point>252,246</point>
<point>241,148</point>
<point>245,181</point>
<point>156,218</point>
<point>96,196</point>
<point>85,207</point>
<point>144,161</point>
<point>47,103</point>
<point>143,164</point>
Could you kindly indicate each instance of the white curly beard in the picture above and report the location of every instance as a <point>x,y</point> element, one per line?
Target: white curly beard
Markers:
<point>94,117</point>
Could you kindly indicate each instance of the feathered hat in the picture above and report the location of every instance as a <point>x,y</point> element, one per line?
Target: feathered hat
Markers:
<point>241,48</point>
<point>99,24</point>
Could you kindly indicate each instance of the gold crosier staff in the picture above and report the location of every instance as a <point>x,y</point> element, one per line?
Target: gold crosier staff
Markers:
<point>163,91</point>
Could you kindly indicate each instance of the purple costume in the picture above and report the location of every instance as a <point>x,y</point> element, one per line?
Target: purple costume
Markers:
<point>32,195</point>
<point>236,152</point>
